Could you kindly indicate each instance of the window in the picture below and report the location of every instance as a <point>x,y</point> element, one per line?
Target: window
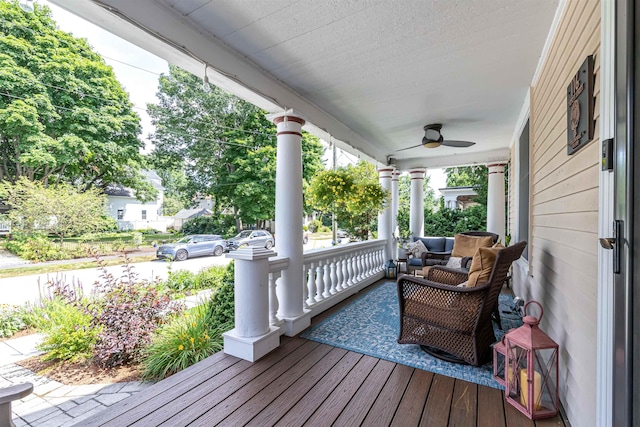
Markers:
<point>523,188</point>
<point>144,214</point>
<point>120,213</point>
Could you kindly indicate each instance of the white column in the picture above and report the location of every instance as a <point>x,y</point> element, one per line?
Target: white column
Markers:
<point>385,221</point>
<point>289,218</point>
<point>496,201</point>
<point>416,217</point>
<point>395,201</point>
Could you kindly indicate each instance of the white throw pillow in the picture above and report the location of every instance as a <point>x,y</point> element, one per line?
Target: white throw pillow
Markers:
<point>454,262</point>
<point>417,248</point>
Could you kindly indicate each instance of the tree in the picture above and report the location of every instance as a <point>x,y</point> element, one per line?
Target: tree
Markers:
<point>225,146</point>
<point>63,115</point>
<point>353,193</point>
<point>57,209</point>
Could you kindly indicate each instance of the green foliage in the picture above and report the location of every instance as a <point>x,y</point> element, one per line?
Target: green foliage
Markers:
<point>210,278</point>
<point>36,248</point>
<point>63,115</point>
<point>57,209</point>
<point>222,145</point>
<point>219,224</point>
<point>181,281</point>
<point>353,194</point>
<point>186,340</point>
<point>10,320</point>
<point>447,222</point>
<point>221,306</point>
<point>314,225</point>
<point>68,331</point>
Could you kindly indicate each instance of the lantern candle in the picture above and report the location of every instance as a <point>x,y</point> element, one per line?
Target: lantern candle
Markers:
<point>524,386</point>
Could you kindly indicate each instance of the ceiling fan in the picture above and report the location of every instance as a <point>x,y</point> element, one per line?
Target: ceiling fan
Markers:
<point>433,139</point>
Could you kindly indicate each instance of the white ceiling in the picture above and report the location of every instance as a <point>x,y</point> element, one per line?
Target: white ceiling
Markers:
<point>371,73</point>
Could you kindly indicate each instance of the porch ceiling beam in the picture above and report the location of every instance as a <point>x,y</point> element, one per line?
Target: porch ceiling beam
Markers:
<point>164,33</point>
<point>459,159</point>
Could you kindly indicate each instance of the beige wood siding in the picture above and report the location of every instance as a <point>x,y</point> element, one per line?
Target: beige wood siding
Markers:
<point>563,255</point>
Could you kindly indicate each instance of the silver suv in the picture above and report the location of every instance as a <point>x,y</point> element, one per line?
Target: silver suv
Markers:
<point>192,246</point>
<point>258,238</point>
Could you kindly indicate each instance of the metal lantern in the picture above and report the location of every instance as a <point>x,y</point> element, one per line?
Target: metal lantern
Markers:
<point>532,363</point>
<point>499,362</point>
<point>391,270</point>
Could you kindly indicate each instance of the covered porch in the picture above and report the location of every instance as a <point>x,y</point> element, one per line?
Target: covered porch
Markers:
<point>368,77</point>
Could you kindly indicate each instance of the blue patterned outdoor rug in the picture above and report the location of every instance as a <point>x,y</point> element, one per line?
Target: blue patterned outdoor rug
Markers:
<point>370,325</point>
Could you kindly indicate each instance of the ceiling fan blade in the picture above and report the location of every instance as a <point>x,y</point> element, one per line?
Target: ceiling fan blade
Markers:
<point>459,144</point>
<point>409,148</point>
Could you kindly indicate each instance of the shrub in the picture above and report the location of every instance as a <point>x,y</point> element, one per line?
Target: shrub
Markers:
<point>186,340</point>
<point>181,281</point>
<point>210,278</point>
<point>220,308</point>
<point>69,333</point>
<point>10,320</point>
<point>314,225</point>
<point>127,313</point>
<point>37,248</point>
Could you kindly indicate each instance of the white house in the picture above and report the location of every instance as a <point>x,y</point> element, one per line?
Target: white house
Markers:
<point>458,197</point>
<point>132,214</point>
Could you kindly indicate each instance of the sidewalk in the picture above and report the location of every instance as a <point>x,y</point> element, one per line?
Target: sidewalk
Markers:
<point>8,260</point>
<point>53,404</point>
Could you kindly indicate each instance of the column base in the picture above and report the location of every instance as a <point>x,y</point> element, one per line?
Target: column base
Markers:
<point>294,325</point>
<point>253,348</point>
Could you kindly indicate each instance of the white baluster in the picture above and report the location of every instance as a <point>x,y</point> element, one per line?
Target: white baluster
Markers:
<point>334,277</point>
<point>339,274</point>
<point>368,264</point>
<point>319,284</point>
<point>311,285</point>
<point>327,279</point>
<point>273,299</point>
<point>352,268</point>
<point>360,264</point>
<point>305,288</point>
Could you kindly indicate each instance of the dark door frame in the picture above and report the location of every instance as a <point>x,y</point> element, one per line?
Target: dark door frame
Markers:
<point>625,326</point>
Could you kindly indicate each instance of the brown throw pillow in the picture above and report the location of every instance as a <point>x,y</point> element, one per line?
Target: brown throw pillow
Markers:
<point>482,265</point>
<point>464,245</point>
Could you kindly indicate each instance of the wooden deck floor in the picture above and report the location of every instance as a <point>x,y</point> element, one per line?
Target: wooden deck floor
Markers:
<point>308,383</point>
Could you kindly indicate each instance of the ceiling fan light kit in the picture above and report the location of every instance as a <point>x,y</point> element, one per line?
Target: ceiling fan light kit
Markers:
<point>428,143</point>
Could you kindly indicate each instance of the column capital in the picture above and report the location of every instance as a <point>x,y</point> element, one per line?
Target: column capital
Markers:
<point>417,173</point>
<point>385,172</point>
<point>285,116</point>
<point>496,168</point>
<point>395,175</point>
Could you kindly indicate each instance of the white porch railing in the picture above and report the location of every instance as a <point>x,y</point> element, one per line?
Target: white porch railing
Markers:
<point>330,276</point>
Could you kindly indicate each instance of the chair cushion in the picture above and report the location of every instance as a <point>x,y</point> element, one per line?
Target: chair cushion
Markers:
<point>468,245</point>
<point>482,265</point>
<point>454,262</point>
<point>415,261</point>
<point>448,244</point>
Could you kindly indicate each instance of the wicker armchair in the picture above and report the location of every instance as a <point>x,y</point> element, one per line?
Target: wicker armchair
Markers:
<point>451,322</point>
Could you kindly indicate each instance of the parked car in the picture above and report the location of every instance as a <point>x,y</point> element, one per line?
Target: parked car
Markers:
<point>258,238</point>
<point>193,246</point>
<point>341,234</point>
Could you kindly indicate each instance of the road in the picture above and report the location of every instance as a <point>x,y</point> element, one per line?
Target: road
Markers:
<point>23,289</point>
